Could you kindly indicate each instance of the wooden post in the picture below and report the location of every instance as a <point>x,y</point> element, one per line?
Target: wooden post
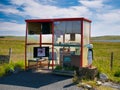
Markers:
<point>111,61</point>
<point>10,53</point>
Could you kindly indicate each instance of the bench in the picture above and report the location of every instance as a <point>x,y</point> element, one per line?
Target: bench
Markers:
<point>37,63</point>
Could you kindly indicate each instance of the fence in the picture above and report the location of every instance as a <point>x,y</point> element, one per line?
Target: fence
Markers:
<point>6,58</point>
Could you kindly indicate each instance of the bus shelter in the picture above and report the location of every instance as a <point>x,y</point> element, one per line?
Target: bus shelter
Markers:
<point>59,41</point>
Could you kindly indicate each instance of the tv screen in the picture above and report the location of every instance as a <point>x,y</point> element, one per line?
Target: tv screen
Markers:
<point>41,52</point>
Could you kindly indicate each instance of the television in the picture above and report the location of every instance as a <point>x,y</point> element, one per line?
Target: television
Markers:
<point>41,52</point>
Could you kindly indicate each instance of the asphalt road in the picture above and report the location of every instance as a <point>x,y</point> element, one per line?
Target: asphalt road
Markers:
<point>29,80</point>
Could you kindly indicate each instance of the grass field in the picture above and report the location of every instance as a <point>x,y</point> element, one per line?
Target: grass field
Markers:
<point>102,53</point>
<point>102,57</point>
<point>16,43</point>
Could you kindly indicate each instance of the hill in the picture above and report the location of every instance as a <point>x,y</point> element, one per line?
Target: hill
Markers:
<point>12,38</point>
<point>106,38</point>
<point>22,38</point>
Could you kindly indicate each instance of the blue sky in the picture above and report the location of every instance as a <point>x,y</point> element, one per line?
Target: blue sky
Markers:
<point>105,14</point>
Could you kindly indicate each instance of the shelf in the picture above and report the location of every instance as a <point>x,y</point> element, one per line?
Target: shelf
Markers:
<point>39,43</point>
<point>67,45</point>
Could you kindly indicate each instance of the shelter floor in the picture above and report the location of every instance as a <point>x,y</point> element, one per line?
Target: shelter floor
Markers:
<point>37,80</point>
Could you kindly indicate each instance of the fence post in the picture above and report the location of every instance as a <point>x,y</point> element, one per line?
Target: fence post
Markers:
<point>111,61</point>
<point>10,53</point>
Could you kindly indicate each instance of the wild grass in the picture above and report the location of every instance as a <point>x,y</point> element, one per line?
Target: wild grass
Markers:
<point>10,68</point>
<point>20,64</point>
<point>2,71</point>
<point>102,57</point>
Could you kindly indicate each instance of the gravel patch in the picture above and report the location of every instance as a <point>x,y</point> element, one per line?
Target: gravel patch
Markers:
<point>111,84</point>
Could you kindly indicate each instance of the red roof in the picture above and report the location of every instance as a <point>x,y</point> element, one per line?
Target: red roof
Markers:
<point>58,19</point>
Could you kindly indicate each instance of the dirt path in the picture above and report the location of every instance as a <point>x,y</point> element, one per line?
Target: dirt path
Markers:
<point>36,81</point>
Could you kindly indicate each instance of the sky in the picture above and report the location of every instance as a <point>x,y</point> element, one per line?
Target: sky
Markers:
<point>105,14</point>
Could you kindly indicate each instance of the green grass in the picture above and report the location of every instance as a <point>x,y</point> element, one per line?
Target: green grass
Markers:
<point>2,71</point>
<point>20,64</point>
<point>102,57</point>
<point>7,68</point>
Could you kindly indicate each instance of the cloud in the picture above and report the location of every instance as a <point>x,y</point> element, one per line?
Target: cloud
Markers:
<point>11,26</point>
<point>101,28</point>
<point>47,2</point>
<point>111,16</point>
<point>52,11</point>
<point>106,18</point>
<point>107,23</point>
<point>10,10</point>
<point>19,2</point>
<point>92,3</point>
<point>34,9</point>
